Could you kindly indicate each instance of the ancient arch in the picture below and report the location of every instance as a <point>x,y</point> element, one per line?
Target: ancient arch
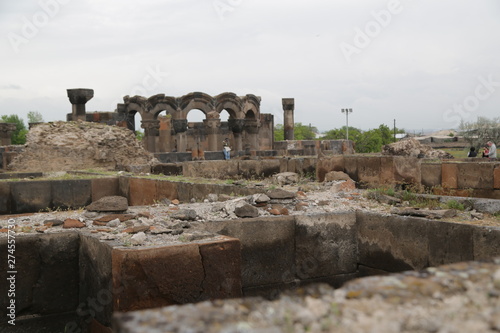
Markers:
<point>243,122</point>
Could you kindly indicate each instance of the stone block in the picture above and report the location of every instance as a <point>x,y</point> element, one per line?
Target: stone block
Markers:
<point>449,243</point>
<point>167,189</point>
<point>449,175</point>
<point>267,254</point>
<point>47,274</point>
<point>392,243</point>
<point>167,169</point>
<point>368,170</point>
<point>430,174</point>
<point>154,277</point>
<point>327,164</point>
<point>71,193</point>
<point>96,278</point>
<point>142,191</point>
<point>30,196</point>
<point>496,177</point>
<point>351,166</point>
<point>222,264</point>
<point>124,187</point>
<point>407,170</point>
<point>475,175</point>
<point>486,242</point>
<point>325,245</point>
<point>5,198</point>
<point>387,170</point>
<point>103,187</point>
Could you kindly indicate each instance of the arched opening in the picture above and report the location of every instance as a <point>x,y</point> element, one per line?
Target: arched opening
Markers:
<point>196,132</point>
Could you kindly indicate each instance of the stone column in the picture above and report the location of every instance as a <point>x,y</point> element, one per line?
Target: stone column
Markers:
<point>213,127</point>
<point>288,106</point>
<point>151,133</point>
<point>6,130</point>
<point>78,98</point>
<point>236,126</point>
<point>252,130</point>
<point>180,128</point>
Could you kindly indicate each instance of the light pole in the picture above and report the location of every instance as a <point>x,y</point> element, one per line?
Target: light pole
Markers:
<point>347,111</point>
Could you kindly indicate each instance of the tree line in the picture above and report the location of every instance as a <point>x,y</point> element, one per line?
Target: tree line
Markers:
<point>365,141</point>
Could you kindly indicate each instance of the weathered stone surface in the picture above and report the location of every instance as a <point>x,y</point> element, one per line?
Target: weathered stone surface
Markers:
<point>157,276</point>
<point>222,264</point>
<point>285,178</point>
<point>430,174</point>
<point>142,191</point>
<point>72,223</point>
<point>267,248</point>
<point>109,204</point>
<point>343,186</point>
<point>475,175</point>
<point>336,175</point>
<point>185,215</point>
<point>104,187</point>
<point>449,175</point>
<point>30,196</point>
<point>246,210</point>
<point>392,243</point>
<point>325,245</point>
<point>280,194</point>
<point>453,298</point>
<point>121,217</point>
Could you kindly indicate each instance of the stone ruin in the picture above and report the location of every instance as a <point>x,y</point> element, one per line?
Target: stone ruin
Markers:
<point>167,262</point>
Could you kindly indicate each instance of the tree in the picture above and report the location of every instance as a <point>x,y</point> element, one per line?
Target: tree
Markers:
<point>35,117</point>
<point>19,135</point>
<point>479,132</point>
<point>301,132</point>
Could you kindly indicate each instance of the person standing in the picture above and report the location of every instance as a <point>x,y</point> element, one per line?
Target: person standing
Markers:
<point>492,152</point>
<point>226,149</point>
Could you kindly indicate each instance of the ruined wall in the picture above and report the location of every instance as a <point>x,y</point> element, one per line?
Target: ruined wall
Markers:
<point>460,178</point>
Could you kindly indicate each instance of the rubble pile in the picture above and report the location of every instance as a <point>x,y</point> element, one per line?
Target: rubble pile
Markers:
<point>63,146</point>
<point>413,148</point>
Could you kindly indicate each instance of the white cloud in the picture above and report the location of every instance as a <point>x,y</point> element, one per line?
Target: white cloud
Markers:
<point>427,58</point>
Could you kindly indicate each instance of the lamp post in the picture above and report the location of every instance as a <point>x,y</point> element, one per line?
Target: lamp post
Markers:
<point>347,111</point>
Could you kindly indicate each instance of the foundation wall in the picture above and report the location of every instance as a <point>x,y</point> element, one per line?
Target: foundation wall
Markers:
<point>91,279</point>
<point>460,178</point>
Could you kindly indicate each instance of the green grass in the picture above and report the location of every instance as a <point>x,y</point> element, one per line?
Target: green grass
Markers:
<point>457,152</point>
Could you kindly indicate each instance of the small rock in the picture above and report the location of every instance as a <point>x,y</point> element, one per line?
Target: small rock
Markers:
<point>275,211</point>
<point>54,222</point>
<point>133,230</point>
<point>343,186</point>
<point>165,201</point>
<point>246,210</point>
<point>259,198</point>
<point>41,229</point>
<point>109,204</point>
<point>138,239</point>
<point>336,175</point>
<point>113,223</point>
<point>72,223</point>
<point>280,194</point>
<point>285,178</point>
<point>185,215</point>
<point>212,197</point>
<point>121,217</point>
<point>175,202</point>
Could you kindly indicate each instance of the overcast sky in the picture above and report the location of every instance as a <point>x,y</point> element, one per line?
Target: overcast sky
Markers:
<point>425,63</point>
